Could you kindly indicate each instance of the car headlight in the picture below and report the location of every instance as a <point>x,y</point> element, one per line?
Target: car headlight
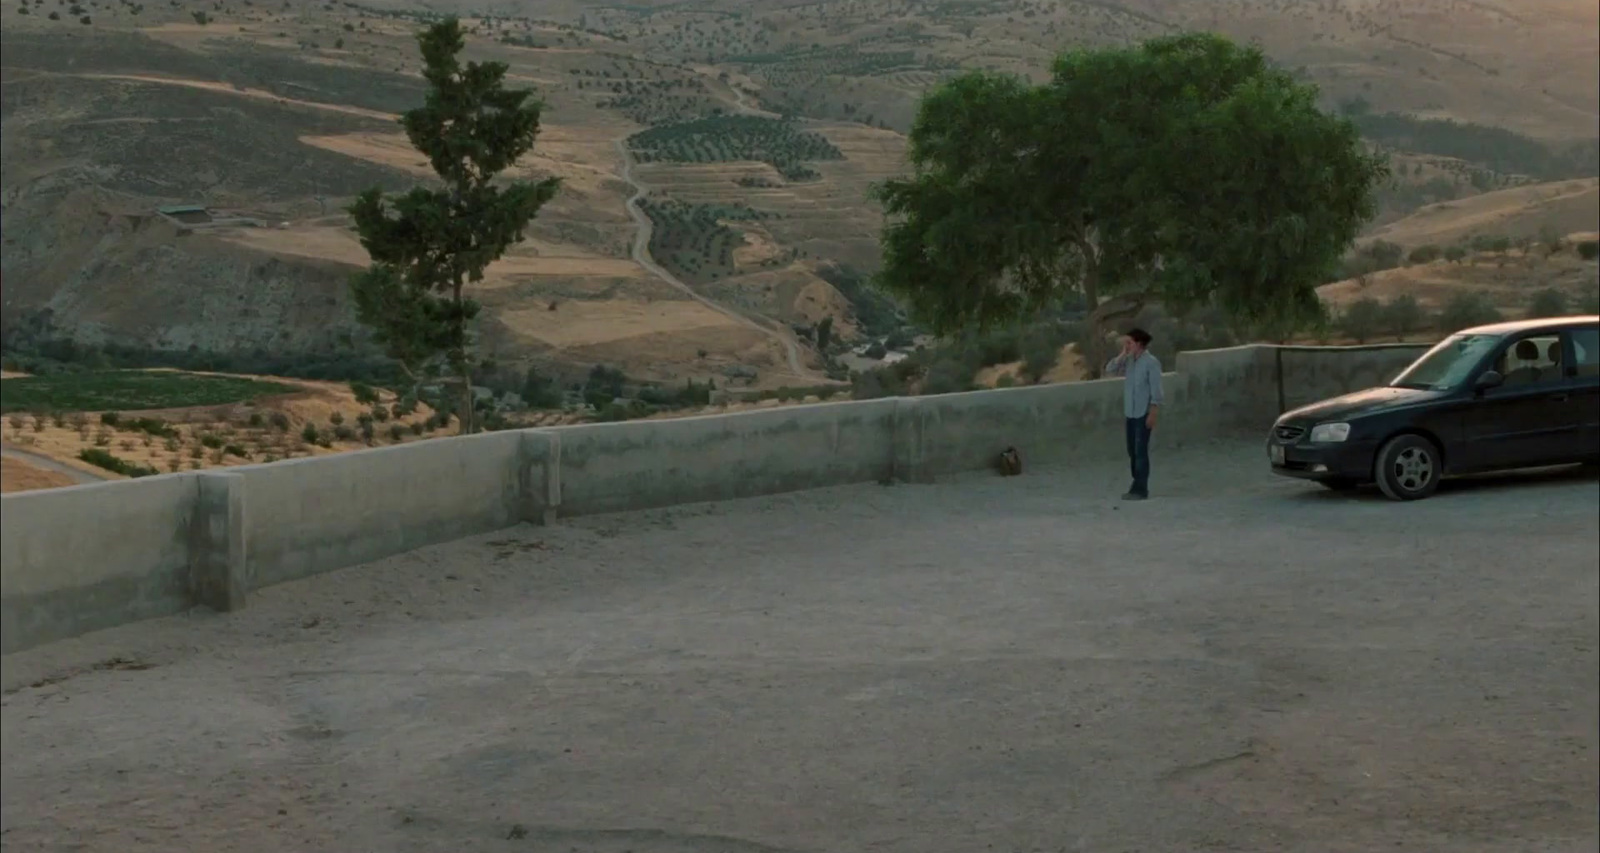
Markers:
<point>1330,432</point>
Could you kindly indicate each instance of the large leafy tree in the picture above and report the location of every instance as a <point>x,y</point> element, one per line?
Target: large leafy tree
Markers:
<point>429,243</point>
<point>1184,171</point>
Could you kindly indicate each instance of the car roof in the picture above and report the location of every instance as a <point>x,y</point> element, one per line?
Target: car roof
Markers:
<point>1540,324</point>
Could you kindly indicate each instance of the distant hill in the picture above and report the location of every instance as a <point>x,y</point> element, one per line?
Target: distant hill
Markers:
<point>764,123</point>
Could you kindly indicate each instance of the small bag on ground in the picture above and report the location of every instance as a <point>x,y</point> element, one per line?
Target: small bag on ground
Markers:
<point>1010,462</point>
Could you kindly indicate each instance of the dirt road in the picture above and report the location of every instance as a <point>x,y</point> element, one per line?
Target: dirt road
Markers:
<point>38,460</point>
<point>641,256</point>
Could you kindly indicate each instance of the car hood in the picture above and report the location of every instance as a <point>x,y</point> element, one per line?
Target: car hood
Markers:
<point>1361,403</point>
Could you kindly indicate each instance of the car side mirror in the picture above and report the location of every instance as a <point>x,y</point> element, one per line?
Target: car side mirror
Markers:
<point>1488,379</point>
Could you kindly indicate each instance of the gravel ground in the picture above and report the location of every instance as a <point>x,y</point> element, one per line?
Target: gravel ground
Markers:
<point>1241,663</point>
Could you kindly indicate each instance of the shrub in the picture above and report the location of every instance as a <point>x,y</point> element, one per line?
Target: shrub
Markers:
<point>336,418</point>
<point>380,414</point>
<point>1455,254</point>
<point>1006,380</point>
<point>397,432</point>
<point>309,433</point>
<point>1468,309</point>
<point>947,376</point>
<point>1363,319</point>
<point>149,426</point>
<point>1040,353</point>
<point>104,459</point>
<point>1548,302</point>
<point>255,419</point>
<point>280,421</point>
<point>1425,254</point>
<point>1403,315</point>
<point>1373,257</point>
<point>212,441</point>
<point>418,427</point>
<point>111,419</point>
<point>1589,249</point>
<point>236,450</point>
<point>365,394</point>
<point>1491,243</point>
<point>344,432</point>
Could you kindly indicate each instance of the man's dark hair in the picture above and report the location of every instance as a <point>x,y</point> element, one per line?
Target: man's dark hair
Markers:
<point>1140,337</point>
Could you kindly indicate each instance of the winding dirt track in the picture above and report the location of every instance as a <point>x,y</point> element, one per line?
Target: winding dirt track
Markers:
<point>39,460</point>
<point>641,256</point>
<point>641,242</point>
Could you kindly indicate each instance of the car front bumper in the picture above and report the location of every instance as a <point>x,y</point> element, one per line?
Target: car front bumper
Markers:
<point>1345,460</point>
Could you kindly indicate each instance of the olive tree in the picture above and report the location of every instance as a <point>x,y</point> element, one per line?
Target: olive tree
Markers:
<point>1184,171</point>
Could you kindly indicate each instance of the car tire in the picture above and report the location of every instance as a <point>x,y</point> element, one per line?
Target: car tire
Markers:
<point>1340,484</point>
<point>1408,468</point>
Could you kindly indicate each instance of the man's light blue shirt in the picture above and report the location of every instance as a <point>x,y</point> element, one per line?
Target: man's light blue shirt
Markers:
<point>1141,388</point>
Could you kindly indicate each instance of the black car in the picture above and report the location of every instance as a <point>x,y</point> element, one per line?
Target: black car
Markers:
<point>1510,395</point>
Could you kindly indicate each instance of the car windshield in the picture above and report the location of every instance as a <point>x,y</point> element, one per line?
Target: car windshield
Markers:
<point>1447,365</point>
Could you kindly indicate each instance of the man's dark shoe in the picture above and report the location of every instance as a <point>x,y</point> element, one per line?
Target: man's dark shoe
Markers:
<point>1135,496</point>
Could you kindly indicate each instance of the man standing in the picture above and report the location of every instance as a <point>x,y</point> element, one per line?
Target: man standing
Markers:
<point>1141,400</point>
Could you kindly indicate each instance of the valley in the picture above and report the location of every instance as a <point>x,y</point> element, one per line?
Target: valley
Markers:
<point>716,160</point>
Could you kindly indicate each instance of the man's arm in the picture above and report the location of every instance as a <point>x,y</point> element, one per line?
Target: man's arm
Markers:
<point>1117,366</point>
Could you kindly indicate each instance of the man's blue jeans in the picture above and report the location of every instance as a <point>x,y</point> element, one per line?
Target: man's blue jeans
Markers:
<point>1139,455</point>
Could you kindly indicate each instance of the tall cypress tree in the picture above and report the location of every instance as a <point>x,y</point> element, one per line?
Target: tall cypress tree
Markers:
<point>429,243</point>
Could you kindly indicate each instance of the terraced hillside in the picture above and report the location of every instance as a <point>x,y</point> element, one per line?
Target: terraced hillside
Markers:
<point>755,128</point>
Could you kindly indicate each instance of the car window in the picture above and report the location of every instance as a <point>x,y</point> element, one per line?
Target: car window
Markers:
<point>1448,364</point>
<point>1533,360</point>
<point>1586,351</point>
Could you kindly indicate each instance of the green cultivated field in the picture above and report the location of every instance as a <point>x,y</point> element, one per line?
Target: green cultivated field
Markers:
<point>128,391</point>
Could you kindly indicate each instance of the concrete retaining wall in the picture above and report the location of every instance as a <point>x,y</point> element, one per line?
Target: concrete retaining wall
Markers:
<point>1309,374</point>
<point>644,464</point>
<point>89,557</point>
<point>307,516</point>
<point>81,558</point>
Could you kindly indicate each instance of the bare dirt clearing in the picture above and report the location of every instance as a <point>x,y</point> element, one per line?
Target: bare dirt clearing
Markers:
<point>1018,663</point>
<point>1564,207</point>
<point>1508,280</point>
<point>21,474</point>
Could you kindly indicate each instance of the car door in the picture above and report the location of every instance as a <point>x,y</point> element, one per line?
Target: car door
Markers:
<point>1583,376</point>
<point>1529,419</point>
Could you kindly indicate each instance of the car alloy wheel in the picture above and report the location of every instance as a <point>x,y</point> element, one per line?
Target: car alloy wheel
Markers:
<point>1408,468</point>
<point>1413,469</point>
